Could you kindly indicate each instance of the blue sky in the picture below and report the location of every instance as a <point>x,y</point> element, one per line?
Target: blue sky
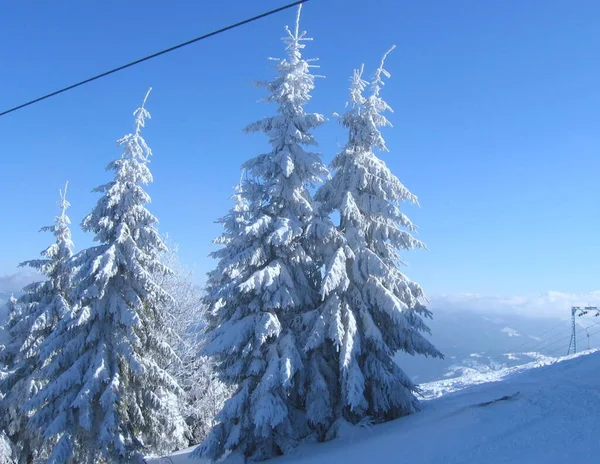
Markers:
<point>496,123</point>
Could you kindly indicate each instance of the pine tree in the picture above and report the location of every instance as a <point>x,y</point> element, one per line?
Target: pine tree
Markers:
<point>32,318</point>
<point>108,397</point>
<point>265,279</point>
<point>14,339</point>
<point>370,308</point>
<point>8,353</point>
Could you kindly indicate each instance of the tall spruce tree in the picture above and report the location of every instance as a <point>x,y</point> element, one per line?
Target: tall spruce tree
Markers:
<point>265,279</point>
<point>370,308</point>
<point>108,397</point>
<point>32,318</point>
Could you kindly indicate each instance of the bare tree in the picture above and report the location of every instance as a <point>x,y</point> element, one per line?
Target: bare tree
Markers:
<point>205,394</point>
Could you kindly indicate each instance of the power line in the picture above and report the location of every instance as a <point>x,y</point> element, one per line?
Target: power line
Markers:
<point>563,340</point>
<point>154,55</point>
<point>539,338</point>
<point>554,342</point>
<point>553,352</point>
<point>551,342</point>
<point>548,343</point>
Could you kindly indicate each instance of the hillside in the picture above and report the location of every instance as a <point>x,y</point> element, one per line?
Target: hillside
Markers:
<point>552,418</point>
<point>483,342</point>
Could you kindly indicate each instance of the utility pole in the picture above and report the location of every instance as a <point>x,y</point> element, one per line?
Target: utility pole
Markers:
<point>582,311</point>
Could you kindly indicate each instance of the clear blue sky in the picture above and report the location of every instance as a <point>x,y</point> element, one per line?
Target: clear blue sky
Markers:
<point>496,123</point>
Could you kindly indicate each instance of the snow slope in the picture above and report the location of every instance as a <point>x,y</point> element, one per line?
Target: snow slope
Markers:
<point>552,419</point>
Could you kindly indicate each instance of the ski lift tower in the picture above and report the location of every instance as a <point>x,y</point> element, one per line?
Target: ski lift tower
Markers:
<point>579,311</point>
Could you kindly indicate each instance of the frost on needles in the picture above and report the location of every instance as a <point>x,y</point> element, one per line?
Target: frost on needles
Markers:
<point>265,279</point>
<point>32,318</point>
<point>106,394</point>
<point>204,394</point>
<point>370,309</point>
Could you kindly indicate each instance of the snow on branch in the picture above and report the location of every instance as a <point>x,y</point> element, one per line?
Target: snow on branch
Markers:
<point>377,79</point>
<point>357,86</point>
<point>63,203</point>
<point>294,39</point>
<point>141,114</point>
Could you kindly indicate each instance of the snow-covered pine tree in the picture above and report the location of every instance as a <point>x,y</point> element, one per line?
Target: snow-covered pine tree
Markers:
<point>371,309</point>
<point>265,279</point>
<point>12,345</point>
<point>108,397</point>
<point>8,351</point>
<point>32,318</point>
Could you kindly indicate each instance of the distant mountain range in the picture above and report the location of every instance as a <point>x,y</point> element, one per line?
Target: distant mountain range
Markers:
<point>474,342</point>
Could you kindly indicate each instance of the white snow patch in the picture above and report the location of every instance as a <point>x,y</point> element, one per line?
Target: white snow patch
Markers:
<point>441,387</point>
<point>510,332</point>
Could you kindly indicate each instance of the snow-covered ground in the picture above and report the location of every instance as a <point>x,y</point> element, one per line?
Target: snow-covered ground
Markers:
<point>552,418</point>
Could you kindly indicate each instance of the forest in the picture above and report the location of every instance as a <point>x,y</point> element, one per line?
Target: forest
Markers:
<point>117,355</point>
